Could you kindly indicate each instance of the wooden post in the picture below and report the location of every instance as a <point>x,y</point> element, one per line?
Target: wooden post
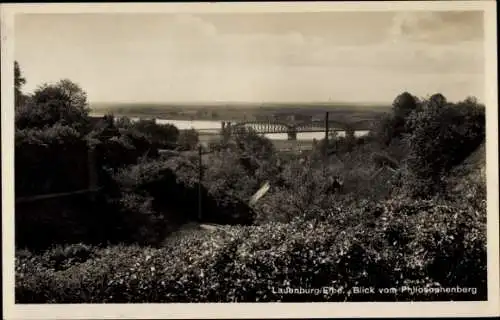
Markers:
<point>327,131</point>
<point>200,177</point>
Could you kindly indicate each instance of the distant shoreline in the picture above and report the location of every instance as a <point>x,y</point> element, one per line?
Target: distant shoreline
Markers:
<point>197,105</point>
<point>157,117</point>
<point>243,112</point>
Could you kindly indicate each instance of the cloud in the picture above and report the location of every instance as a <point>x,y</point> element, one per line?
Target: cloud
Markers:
<point>436,27</point>
<point>408,57</point>
<point>192,40</point>
<point>412,47</point>
<point>189,57</point>
<point>188,23</point>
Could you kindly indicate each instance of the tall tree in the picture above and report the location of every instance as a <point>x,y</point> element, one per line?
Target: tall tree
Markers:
<point>404,104</point>
<point>438,100</point>
<point>63,103</point>
<point>19,82</point>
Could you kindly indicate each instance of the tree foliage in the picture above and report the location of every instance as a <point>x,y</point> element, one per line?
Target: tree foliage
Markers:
<point>442,136</point>
<point>63,103</point>
<point>19,82</point>
<point>50,160</point>
<point>404,104</point>
<point>437,100</point>
<point>163,135</point>
<point>302,223</point>
<point>188,139</point>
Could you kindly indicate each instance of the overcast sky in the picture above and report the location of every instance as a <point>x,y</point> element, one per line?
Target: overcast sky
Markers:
<point>367,57</point>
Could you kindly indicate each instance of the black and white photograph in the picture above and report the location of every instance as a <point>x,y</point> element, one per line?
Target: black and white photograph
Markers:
<point>194,154</point>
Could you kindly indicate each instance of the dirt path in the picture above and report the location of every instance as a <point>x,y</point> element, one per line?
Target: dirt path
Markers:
<point>193,228</point>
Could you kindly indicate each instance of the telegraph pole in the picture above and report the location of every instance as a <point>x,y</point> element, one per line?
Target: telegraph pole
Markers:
<point>327,130</point>
<point>200,177</point>
<point>325,147</point>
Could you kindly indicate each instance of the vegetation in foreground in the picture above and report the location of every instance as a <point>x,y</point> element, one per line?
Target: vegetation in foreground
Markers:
<point>412,213</point>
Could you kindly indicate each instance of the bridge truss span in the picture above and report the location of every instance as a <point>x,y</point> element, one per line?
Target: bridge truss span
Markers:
<point>279,127</point>
<point>276,127</point>
<point>264,127</point>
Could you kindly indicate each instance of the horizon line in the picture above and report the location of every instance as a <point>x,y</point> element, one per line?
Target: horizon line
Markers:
<point>354,103</point>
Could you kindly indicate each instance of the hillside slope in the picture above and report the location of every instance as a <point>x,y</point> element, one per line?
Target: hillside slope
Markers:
<point>472,170</point>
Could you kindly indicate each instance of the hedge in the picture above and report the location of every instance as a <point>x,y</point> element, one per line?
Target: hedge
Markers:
<point>418,244</point>
<point>46,158</point>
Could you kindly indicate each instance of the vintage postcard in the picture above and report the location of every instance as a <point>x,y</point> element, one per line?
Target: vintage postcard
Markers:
<point>245,160</point>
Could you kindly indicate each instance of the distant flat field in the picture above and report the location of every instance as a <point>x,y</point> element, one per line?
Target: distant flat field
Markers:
<point>344,112</point>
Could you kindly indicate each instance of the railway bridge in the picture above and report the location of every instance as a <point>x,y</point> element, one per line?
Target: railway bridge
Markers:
<point>269,127</point>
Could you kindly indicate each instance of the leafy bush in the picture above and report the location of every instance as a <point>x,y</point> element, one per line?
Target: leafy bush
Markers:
<point>422,244</point>
<point>65,220</point>
<point>122,142</point>
<point>63,257</point>
<point>392,126</point>
<point>226,174</point>
<point>50,160</point>
<point>124,149</point>
<point>383,131</point>
<point>188,139</point>
<point>164,193</point>
<point>249,142</point>
<point>442,136</point>
<point>160,135</point>
<point>238,167</point>
<point>307,234</point>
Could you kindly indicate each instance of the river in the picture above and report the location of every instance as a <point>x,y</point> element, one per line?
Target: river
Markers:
<point>213,126</point>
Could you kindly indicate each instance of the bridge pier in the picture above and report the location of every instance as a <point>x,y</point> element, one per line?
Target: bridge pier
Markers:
<point>292,135</point>
<point>225,125</point>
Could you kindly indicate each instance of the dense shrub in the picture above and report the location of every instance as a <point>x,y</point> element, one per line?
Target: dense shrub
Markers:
<point>309,185</point>
<point>166,191</point>
<point>54,158</point>
<point>124,149</point>
<point>306,233</point>
<point>422,244</point>
<point>441,136</point>
<point>143,199</point>
<point>65,220</point>
<point>122,142</point>
<point>392,125</point>
<point>59,257</point>
<point>188,139</point>
<point>383,131</point>
<point>50,160</point>
<point>160,135</point>
<point>466,184</point>
<point>239,166</point>
<point>249,142</point>
<point>226,174</point>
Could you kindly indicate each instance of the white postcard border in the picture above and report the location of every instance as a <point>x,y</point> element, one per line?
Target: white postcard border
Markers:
<point>246,310</point>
